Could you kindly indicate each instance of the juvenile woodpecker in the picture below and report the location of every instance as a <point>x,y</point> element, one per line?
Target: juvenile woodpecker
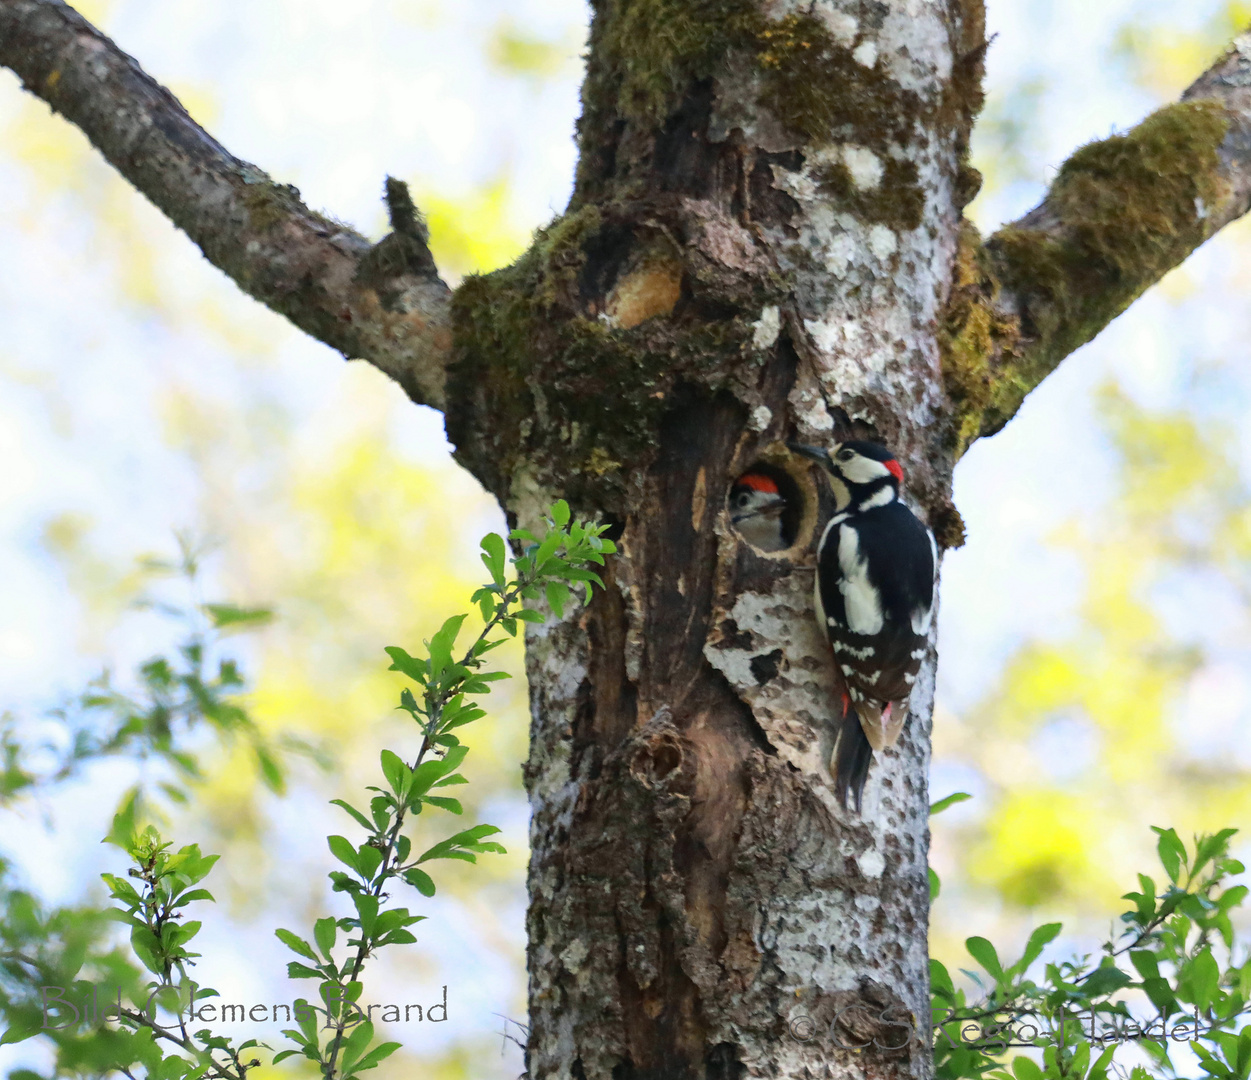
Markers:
<point>760,513</point>
<point>874,598</point>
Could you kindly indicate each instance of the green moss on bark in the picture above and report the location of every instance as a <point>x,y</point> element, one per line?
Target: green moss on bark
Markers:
<point>897,200</point>
<point>1121,213</point>
<point>567,393</point>
<point>270,204</point>
<point>646,54</point>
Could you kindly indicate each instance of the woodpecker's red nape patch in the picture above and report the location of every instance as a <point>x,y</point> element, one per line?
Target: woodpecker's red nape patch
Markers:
<point>896,470</point>
<point>758,482</point>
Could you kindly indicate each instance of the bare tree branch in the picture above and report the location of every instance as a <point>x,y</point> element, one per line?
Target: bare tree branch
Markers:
<point>1121,213</point>
<point>383,303</point>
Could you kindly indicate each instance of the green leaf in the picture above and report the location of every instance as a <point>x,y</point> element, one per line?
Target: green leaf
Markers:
<point>398,774</point>
<point>324,933</point>
<point>441,645</point>
<point>420,880</point>
<point>401,661</point>
<point>950,800</point>
<point>360,818</point>
<point>1038,940</point>
<point>1172,852</point>
<point>451,805</point>
<point>123,833</point>
<point>493,556</point>
<point>271,771</point>
<point>342,849</point>
<point>296,944</point>
<point>1203,974</point>
<point>382,1050</point>
<point>447,781</point>
<point>296,970</point>
<point>1024,1068</point>
<point>984,953</point>
<point>463,844</point>
<point>1211,847</point>
<point>367,911</point>
<point>1159,993</point>
<point>935,885</point>
<point>1099,1070</point>
<point>19,1032</point>
<point>1105,979</point>
<point>232,617</point>
<point>557,597</point>
<point>355,1044</point>
<point>370,858</point>
<point>560,513</point>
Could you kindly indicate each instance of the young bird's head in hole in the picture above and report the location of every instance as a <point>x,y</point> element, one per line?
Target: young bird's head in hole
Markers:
<point>759,512</point>
<point>861,473</point>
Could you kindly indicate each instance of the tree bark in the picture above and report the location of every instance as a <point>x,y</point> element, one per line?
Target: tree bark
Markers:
<point>765,242</point>
<point>758,248</point>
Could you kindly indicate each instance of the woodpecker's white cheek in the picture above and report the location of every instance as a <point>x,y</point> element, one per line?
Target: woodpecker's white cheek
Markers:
<point>864,608</point>
<point>842,496</point>
<point>863,470</point>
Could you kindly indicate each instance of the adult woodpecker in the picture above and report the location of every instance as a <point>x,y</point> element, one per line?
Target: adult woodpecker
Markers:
<point>760,513</point>
<point>874,598</point>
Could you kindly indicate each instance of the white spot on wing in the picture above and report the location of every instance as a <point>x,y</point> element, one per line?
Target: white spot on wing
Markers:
<point>921,619</point>
<point>866,653</point>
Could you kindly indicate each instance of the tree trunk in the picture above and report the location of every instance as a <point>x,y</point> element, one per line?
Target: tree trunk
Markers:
<point>765,242</point>
<point>759,247</point>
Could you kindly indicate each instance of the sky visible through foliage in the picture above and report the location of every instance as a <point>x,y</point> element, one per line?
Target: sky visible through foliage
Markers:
<point>1095,674</point>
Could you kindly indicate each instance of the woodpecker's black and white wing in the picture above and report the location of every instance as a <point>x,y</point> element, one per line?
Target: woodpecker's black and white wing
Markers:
<point>875,597</point>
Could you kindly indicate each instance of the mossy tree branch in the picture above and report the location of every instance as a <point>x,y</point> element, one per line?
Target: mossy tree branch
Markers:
<point>383,303</point>
<point>1121,213</point>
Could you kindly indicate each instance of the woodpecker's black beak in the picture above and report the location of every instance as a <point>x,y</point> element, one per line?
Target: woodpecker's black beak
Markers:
<point>814,452</point>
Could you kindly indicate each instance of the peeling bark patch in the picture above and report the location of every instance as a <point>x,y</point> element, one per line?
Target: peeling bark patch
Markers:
<point>765,666</point>
<point>646,293</point>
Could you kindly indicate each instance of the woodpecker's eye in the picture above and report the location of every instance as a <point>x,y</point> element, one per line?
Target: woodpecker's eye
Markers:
<point>846,455</point>
<point>742,499</point>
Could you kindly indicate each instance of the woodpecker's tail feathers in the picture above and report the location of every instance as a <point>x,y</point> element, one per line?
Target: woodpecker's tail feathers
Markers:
<point>873,722</point>
<point>895,715</point>
<point>852,757</point>
<point>882,724</point>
